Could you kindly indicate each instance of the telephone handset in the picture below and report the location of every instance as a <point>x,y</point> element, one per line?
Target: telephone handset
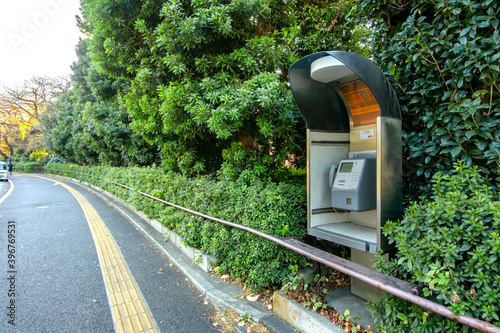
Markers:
<point>331,175</point>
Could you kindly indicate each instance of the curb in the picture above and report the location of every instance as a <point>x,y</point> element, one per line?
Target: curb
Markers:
<point>305,320</point>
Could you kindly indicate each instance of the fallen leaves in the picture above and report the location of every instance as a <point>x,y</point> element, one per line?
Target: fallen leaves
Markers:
<point>317,289</point>
<point>227,320</point>
<point>315,293</point>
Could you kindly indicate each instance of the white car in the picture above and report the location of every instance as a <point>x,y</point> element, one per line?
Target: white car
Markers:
<point>4,172</point>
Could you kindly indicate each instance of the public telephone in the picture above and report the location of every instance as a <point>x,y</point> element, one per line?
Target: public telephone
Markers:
<point>354,164</point>
<point>354,187</point>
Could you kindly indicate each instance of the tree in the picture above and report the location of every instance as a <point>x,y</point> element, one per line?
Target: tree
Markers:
<point>443,58</point>
<point>21,110</point>
<point>10,134</point>
<point>92,124</point>
<point>32,97</point>
<point>67,138</point>
<point>209,79</point>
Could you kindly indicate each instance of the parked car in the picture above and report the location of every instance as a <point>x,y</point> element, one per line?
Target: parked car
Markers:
<point>4,172</point>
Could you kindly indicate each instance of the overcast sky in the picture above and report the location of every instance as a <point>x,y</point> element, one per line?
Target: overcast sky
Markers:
<point>37,38</point>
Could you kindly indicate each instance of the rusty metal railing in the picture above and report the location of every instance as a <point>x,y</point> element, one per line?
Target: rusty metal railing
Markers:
<point>38,169</point>
<point>387,283</point>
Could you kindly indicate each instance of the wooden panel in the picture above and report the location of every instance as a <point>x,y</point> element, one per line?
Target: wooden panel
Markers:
<point>362,103</point>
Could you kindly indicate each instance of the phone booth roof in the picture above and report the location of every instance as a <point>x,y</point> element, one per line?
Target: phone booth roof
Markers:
<point>322,106</point>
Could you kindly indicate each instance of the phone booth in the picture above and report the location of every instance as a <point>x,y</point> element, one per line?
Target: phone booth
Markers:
<point>354,162</point>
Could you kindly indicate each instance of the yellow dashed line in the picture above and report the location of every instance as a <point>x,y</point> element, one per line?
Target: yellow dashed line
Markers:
<point>128,308</point>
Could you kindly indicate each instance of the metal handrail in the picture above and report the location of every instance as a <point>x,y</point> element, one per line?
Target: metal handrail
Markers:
<point>384,282</point>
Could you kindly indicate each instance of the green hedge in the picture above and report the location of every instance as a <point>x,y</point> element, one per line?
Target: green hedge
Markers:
<point>450,246</point>
<point>28,167</point>
<point>276,209</point>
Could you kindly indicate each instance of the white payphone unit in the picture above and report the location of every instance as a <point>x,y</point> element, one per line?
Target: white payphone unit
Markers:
<point>355,184</point>
<point>353,122</point>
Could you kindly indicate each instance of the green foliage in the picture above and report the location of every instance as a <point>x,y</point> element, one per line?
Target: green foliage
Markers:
<point>267,207</point>
<point>92,123</point>
<point>208,82</point>
<point>68,139</point>
<point>27,167</point>
<point>20,155</point>
<point>40,156</point>
<point>443,58</point>
<point>450,244</point>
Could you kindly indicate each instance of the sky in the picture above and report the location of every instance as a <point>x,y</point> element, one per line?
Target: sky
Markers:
<point>37,38</point>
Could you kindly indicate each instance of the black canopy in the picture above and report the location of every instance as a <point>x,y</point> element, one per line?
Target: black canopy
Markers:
<point>319,102</point>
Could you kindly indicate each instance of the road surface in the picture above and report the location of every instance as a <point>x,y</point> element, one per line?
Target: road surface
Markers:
<point>70,263</point>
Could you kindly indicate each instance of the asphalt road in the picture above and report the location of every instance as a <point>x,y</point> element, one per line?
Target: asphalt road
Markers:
<point>51,279</point>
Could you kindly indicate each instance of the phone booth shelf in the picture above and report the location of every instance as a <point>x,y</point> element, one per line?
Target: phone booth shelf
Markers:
<point>354,165</point>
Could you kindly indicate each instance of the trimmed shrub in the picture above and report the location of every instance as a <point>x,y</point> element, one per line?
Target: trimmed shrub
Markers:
<point>28,167</point>
<point>448,244</point>
<point>276,209</point>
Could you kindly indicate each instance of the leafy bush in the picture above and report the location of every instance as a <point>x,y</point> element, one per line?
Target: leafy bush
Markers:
<point>450,245</point>
<point>443,58</point>
<point>276,209</point>
<point>28,167</point>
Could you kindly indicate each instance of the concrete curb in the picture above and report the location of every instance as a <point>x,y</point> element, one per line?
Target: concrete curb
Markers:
<point>305,320</point>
